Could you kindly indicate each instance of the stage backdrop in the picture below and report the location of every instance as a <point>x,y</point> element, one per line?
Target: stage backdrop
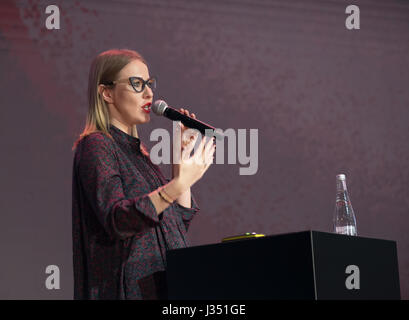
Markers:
<point>324,99</point>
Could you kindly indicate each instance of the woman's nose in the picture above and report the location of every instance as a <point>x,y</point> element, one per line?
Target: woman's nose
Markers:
<point>147,92</point>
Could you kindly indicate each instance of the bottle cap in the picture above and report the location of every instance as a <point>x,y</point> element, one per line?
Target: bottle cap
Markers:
<point>341,176</point>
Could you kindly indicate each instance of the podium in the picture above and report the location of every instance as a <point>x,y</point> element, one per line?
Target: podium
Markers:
<point>308,265</point>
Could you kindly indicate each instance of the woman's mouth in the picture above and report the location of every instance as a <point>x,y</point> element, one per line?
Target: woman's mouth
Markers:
<point>147,107</point>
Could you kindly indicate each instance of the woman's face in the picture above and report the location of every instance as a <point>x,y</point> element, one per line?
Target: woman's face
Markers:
<point>127,105</point>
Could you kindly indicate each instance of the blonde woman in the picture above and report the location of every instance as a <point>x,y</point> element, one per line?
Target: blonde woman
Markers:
<point>126,214</point>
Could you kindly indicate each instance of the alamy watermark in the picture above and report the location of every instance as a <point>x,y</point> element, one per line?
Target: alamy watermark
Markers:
<point>237,150</point>
<point>353,20</point>
<point>52,282</point>
<point>53,20</point>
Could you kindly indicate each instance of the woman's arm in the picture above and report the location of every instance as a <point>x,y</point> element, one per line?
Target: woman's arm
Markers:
<point>99,179</point>
<point>184,198</point>
<point>173,189</point>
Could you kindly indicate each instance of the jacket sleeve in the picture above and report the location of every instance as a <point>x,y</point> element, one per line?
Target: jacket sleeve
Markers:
<point>187,214</point>
<point>101,181</point>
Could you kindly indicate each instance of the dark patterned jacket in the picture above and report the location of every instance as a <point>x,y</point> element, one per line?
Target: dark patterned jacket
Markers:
<point>119,241</point>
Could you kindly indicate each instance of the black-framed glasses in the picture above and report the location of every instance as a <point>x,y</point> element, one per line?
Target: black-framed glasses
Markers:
<point>137,83</point>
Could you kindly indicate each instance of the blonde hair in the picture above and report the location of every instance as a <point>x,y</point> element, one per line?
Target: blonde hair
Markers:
<point>104,69</point>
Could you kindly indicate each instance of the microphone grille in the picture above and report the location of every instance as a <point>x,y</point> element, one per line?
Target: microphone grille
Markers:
<point>159,107</point>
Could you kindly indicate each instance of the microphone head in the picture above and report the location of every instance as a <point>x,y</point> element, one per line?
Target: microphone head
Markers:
<point>158,107</point>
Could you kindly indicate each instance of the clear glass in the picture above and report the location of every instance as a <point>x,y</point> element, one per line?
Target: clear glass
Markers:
<point>344,217</point>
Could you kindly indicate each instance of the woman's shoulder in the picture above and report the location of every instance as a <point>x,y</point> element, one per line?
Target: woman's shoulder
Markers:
<point>94,150</point>
<point>96,142</point>
<point>97,137</point>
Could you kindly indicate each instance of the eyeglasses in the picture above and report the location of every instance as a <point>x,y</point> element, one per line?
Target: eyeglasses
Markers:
<point>137,83</point>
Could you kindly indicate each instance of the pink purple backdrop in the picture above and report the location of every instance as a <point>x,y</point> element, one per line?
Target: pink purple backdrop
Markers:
<point>326,100</point>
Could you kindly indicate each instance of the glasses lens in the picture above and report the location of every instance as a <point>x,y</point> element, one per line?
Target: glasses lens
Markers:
<point>136,84</point>
<point>152,83</point>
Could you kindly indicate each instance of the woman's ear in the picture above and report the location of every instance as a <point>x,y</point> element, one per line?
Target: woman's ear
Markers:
<point>106,93</point>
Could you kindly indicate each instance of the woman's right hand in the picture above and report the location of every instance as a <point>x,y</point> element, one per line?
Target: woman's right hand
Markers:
<point>192,168</point>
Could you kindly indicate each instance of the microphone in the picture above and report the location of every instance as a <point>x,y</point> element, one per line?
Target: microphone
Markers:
<point>161,108</point>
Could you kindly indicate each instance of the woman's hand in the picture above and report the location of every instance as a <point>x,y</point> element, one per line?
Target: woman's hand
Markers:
<point>192,168</point>
<point>184,139</point>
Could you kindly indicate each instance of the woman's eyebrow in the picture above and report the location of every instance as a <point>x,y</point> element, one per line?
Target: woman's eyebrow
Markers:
<point>139,76</point>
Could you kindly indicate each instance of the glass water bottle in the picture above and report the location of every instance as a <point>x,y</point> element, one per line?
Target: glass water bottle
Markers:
<point>344,217</point>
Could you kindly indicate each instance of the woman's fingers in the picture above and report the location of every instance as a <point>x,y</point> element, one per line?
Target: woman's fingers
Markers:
<point>209,163</point>
<point>205,151</point>
<point>181,126</point>
<point>188,148</point>
<point>210,149</point>
<point>199,150</point>
<point>186,112</point>
<point>209,158</point>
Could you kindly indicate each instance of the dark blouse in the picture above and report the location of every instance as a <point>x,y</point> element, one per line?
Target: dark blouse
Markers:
<point>119,240</point>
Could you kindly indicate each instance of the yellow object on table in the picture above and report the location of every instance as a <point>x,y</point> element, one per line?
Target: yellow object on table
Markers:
<point>247,235</point>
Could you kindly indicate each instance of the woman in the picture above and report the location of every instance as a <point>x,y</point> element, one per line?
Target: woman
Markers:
<point>125,213</point>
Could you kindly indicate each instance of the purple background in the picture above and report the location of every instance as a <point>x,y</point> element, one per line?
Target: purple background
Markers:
<point>325,100</point>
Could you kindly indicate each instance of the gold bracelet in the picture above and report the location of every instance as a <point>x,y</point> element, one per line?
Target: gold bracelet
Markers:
<point>165,197</point>
<point>167,194</point>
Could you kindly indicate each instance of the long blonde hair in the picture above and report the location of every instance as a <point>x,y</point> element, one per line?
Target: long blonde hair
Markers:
<point>104,69</point>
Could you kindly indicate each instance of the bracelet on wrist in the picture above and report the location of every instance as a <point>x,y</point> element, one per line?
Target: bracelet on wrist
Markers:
<point>165,196</point>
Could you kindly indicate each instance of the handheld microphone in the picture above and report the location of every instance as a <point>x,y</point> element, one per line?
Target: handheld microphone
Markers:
<point>161,108</point>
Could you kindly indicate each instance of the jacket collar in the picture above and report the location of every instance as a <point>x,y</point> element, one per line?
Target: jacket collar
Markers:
<point>125,140</point>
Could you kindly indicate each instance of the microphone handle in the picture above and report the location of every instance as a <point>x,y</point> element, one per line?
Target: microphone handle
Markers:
<point>175,115</point>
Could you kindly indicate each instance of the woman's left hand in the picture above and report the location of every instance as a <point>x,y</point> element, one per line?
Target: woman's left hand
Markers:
<point>183,128</point>
<point>184,140</point>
